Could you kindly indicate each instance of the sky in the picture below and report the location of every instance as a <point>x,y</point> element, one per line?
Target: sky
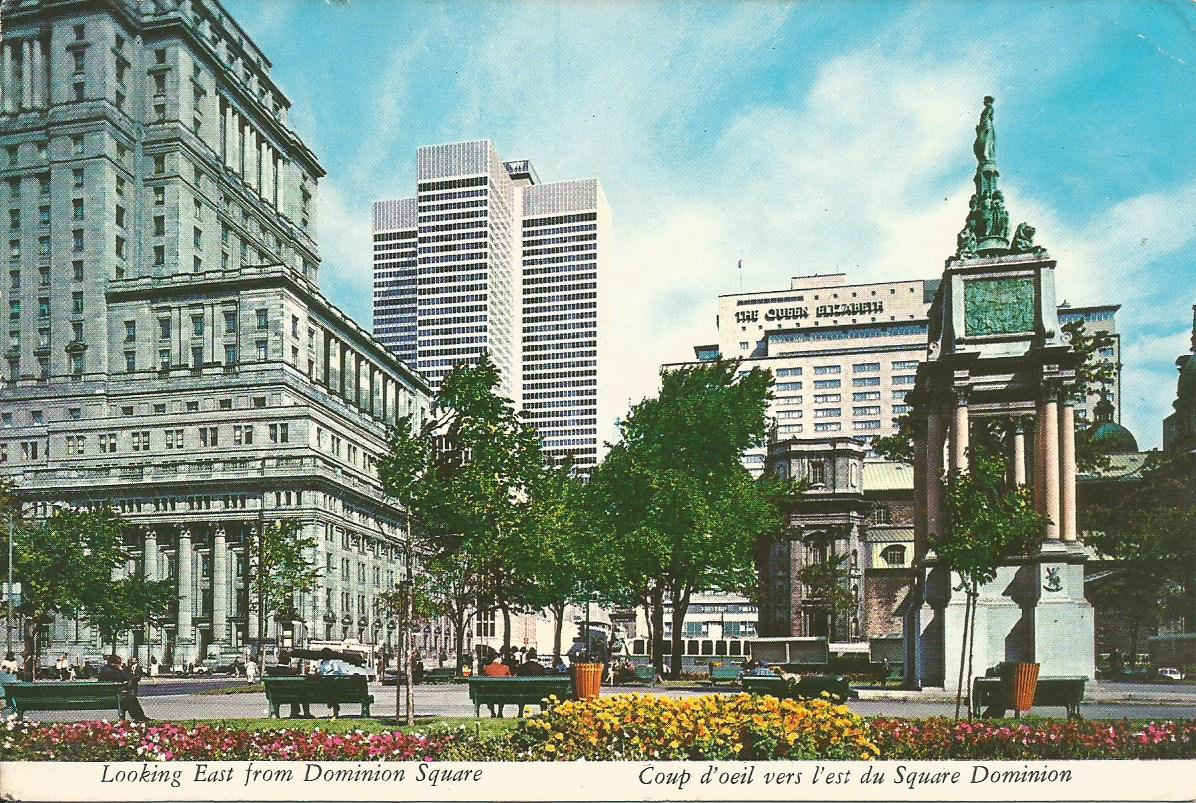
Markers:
<point>799,138</point>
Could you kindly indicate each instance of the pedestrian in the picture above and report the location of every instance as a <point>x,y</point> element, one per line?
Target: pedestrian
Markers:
<point>10,665</point>
<point>62,666</point>
<point>135,675</point>
<point>443,658</point>
<point>153,668</point>
<point>113,673</point>
<point>251,671</point>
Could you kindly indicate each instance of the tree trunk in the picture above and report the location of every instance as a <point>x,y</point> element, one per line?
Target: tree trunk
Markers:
<point>680,606</point>
<point>506,629</point>
<point>963,654</point>
<point>972,598</point>
<point>657,595</point>
<point>30,648</point>
<point>558,615</point>
<point>459,633</point>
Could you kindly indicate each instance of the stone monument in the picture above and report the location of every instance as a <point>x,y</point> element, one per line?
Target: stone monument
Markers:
<point>996,350</point>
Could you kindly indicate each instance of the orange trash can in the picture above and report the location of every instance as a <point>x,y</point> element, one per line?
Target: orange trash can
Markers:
<point>587,680</point>
<point>1025,682</point>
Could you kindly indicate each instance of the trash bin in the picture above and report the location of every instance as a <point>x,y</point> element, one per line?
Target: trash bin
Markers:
<point>1025,681</point>
<point>587,680</point>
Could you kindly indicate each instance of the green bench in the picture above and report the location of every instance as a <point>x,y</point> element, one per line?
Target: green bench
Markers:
<point>645,673</point>
<point>810,687</point>
<point>728,672</point>
<point>896,674</point>
<point>329,690</point>
<point>438,676</point>
<point>517,691</point>
<point>84,695</point>
<point>994,695</point>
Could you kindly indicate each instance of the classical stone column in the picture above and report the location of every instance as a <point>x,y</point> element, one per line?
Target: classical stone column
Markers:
<point>183,633</point>
<point>959,433</point>
<point>934,474</point>
<point>1050,465</point>
<point>151,574</point>
<point>7,85</point>
<point>26,74</point>
<point>920,538</point>
<point>219,587</point>
<point>1067,470</point>
<point>38,77</point>
<point>230,136</point>
<point>1019,451</point>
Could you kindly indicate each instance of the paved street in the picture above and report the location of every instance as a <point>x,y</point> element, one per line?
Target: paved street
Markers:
<point>176,699</point>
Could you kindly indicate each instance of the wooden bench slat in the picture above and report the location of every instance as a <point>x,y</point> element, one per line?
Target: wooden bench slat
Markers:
<point>63,696</point>
<point>517,691</point>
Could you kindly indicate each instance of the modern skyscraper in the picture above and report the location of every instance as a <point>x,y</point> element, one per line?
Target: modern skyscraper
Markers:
<point>486,258</point>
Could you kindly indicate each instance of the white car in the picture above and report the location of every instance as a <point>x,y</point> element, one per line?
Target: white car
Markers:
<point>336,666</point>
<point>1171,673</point>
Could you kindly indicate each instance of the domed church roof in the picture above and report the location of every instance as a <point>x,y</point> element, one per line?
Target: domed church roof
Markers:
<point>1107,435</point>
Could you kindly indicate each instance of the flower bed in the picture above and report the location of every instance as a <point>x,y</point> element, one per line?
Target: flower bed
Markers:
<point>126,741</point>
<point>640,726</point>
<point>940,737</point>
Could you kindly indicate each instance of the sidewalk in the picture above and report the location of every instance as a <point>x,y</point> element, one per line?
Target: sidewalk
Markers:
<point>1094,692</point>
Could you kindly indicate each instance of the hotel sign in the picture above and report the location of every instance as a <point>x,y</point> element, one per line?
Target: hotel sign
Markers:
<point>821,311</point>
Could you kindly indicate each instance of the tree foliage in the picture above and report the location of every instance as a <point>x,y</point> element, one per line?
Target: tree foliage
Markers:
<point>131,602</point>
<point>280,566</point>
<point>680,511</point>
<point>829,583</point>
<point>467,475</point>
<point>1147,527</point>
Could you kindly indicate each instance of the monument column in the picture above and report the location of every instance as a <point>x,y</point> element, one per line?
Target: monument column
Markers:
<point>184,638</point>
<point>934,473</point>
<point>1067,469</point>
<point>1050,464</point>
<point>1019,451</point>
<point>959,432</point>
<point>920,490</point>
<point>219,587</point>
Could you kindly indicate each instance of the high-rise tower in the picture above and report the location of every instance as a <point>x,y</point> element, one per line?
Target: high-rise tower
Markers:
<point>487,258</point>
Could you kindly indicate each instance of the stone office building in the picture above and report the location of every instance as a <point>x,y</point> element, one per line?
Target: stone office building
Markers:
<point>169,351</point>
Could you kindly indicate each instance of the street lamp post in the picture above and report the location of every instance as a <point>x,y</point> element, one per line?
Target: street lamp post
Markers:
<point>8,619</point>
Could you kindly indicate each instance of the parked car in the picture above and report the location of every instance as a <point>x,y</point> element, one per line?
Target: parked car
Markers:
<point>1170,673</point>
<point>340,667</point>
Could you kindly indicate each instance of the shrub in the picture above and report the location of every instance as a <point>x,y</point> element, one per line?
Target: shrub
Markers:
<point>640,726</point>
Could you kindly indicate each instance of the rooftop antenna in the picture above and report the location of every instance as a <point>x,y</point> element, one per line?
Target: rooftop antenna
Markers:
<point>741,275</point>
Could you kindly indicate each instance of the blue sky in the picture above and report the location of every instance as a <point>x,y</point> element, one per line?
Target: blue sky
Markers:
<point>799,138</point>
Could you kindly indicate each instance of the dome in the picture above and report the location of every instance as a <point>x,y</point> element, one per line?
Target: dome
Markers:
<point>1110,437</point>
<point>1186,391</point>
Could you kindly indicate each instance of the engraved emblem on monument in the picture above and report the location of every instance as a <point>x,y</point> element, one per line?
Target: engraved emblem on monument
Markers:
<point>998,306</point>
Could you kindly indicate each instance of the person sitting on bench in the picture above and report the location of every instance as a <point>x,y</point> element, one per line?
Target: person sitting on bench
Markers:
<point>113,672</point>
<point>530,666</point>
<point>496,669</point>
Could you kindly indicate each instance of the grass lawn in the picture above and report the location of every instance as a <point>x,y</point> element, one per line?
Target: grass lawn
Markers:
<point>346,724</point>
<point>248,688</point>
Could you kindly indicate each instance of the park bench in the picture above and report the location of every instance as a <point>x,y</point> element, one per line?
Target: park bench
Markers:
<point>84,695</point>
<point>896,673</point>
<point>645,673</point>
<point>728,672</point>
<point>438,676</point>
<point>810,687</point>
<point>329,690</point>
<point>994,695</point>
<point>517,691</point>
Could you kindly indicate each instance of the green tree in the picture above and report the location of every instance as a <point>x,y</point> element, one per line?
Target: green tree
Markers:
<point>64,564</point>
<point>467,474</point>
<point>1146,528</point>
<point>281,565</point>
<point>988,520</point>
<point>132,602</point>
<point>674,499</point>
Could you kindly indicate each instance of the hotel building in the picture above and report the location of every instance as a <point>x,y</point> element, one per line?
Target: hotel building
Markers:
<point>844,355</point>
<point>169,351</point>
